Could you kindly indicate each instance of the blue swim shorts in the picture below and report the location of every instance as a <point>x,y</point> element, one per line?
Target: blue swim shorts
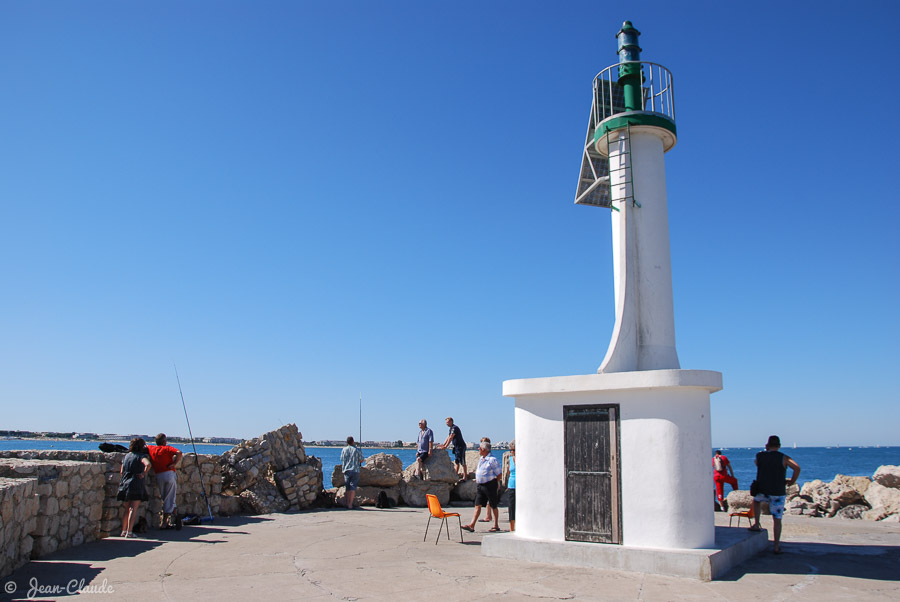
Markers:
<point>351,480</point>
<point>776,503</point>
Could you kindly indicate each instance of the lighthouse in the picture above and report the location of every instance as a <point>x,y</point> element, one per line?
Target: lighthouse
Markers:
<point>614,467</point>
<point>632,125</point>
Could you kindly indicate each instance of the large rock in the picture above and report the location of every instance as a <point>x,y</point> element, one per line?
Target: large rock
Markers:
<point>801,506</point>
<point>809,486</point>
<point>739,499</point>
<point>337,476</point>
<point>263,498</point>
<point>887,476</point>
<point>854,511</point>
<point>413,492</point>
<point>472,458</point>
<point>438,467</point>
<point>883,500</point>
<point>848,491</point>
<point>382,470</point>
<point>504,468</point>
<point>300,484</point>
<point>366,496</point>
<point>464,491</point>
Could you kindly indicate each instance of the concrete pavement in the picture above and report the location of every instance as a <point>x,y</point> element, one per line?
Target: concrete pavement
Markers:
<point>376,554</point>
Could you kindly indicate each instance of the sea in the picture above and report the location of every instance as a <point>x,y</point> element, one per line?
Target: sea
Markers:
<point>815,462</point>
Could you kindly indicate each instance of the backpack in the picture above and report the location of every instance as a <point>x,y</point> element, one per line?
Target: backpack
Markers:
<point>718,464</point>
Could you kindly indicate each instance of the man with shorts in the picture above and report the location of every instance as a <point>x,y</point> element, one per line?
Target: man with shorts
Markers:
<point>424,447</point>
<point>721,468</point>
<point>459,447</point>
<point>771,468</point>
<point>487,477</point>
<point>164,457</point>
<point>351,463</point>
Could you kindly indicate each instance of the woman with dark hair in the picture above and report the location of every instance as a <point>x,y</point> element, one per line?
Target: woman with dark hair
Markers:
<point>132,489</point>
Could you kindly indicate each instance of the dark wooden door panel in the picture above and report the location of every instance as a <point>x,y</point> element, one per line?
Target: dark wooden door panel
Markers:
<point>591,474</point>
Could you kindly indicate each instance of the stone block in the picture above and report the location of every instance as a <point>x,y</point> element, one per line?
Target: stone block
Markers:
<point>887,476</point>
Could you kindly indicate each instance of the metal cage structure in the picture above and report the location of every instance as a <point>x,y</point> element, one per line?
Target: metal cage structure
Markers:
<point>657,100</point>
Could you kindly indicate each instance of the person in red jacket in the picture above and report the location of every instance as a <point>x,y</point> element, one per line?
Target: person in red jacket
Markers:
<point>722,473</point>
<point>164,458</point>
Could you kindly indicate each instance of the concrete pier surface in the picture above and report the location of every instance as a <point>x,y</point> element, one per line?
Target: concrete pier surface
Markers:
<point>376,554</point>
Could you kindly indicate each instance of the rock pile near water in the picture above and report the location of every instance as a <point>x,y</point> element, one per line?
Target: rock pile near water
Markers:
<point>875,498</point>
<point>385,472</point>
<point>272,472</point>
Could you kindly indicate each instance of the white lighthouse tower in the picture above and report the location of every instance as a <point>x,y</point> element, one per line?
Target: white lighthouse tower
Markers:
<point>614,468</point>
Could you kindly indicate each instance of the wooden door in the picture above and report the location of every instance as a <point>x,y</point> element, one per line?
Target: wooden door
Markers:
<point>593,508</point>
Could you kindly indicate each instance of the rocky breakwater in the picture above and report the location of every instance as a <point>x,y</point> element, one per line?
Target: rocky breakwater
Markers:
<point>385,472</point>
<point>380,472</point>
<point>465,491</point>
<point>272,473</point>
<point>874,498</point>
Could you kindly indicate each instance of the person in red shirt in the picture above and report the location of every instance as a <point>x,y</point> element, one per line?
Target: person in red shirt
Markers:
<point>164,458</point>
<point>721,470</point>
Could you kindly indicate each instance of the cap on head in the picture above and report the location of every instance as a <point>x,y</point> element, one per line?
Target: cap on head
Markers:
<point>774,441</point>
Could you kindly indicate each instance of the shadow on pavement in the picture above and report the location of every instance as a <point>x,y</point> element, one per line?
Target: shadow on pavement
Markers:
<point>24,584</point>
<point>877,562</point>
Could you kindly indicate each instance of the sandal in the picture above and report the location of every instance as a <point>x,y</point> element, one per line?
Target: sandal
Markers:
<point>755,529</point>
<point>130,535</point>
<point>468,528</point>
<point>494,529</point>
<point>123,534</point>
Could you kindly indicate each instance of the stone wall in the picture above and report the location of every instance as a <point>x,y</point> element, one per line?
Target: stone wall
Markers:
<point>18,520</point>
<point>68,496</point>
<point>53,499</point>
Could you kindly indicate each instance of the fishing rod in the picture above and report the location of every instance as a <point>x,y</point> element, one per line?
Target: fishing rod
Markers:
<point>196,458</point>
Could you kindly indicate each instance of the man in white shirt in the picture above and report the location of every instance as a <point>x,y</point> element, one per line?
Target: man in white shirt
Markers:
<point>487,477</point>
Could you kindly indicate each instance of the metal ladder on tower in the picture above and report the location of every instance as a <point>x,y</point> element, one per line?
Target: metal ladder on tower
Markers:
<point>622,173</point>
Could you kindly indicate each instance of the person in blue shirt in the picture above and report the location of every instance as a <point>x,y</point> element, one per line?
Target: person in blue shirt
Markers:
<point>488,482</point>
<point>455,439</point>
<point>424,448</point>
<point>351,464</point>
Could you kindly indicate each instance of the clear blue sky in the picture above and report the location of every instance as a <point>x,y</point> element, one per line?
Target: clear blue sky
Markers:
<point>299,202</point>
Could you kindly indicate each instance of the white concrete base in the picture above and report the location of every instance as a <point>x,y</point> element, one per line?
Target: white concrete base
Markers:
<point>733,546</point>
<point>665,454</point>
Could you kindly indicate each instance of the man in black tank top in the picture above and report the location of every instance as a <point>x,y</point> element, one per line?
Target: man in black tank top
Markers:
<point>771,468</point>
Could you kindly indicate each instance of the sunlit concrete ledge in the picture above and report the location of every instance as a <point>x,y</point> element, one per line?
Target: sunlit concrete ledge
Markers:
<point>733,546</point>
<point>644,379</point>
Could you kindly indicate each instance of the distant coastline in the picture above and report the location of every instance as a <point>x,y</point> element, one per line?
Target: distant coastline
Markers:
<point>98,441</point>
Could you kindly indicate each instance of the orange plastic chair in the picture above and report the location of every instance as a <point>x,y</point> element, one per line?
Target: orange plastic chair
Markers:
<point>435,511</point>
<point>748,514</point>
